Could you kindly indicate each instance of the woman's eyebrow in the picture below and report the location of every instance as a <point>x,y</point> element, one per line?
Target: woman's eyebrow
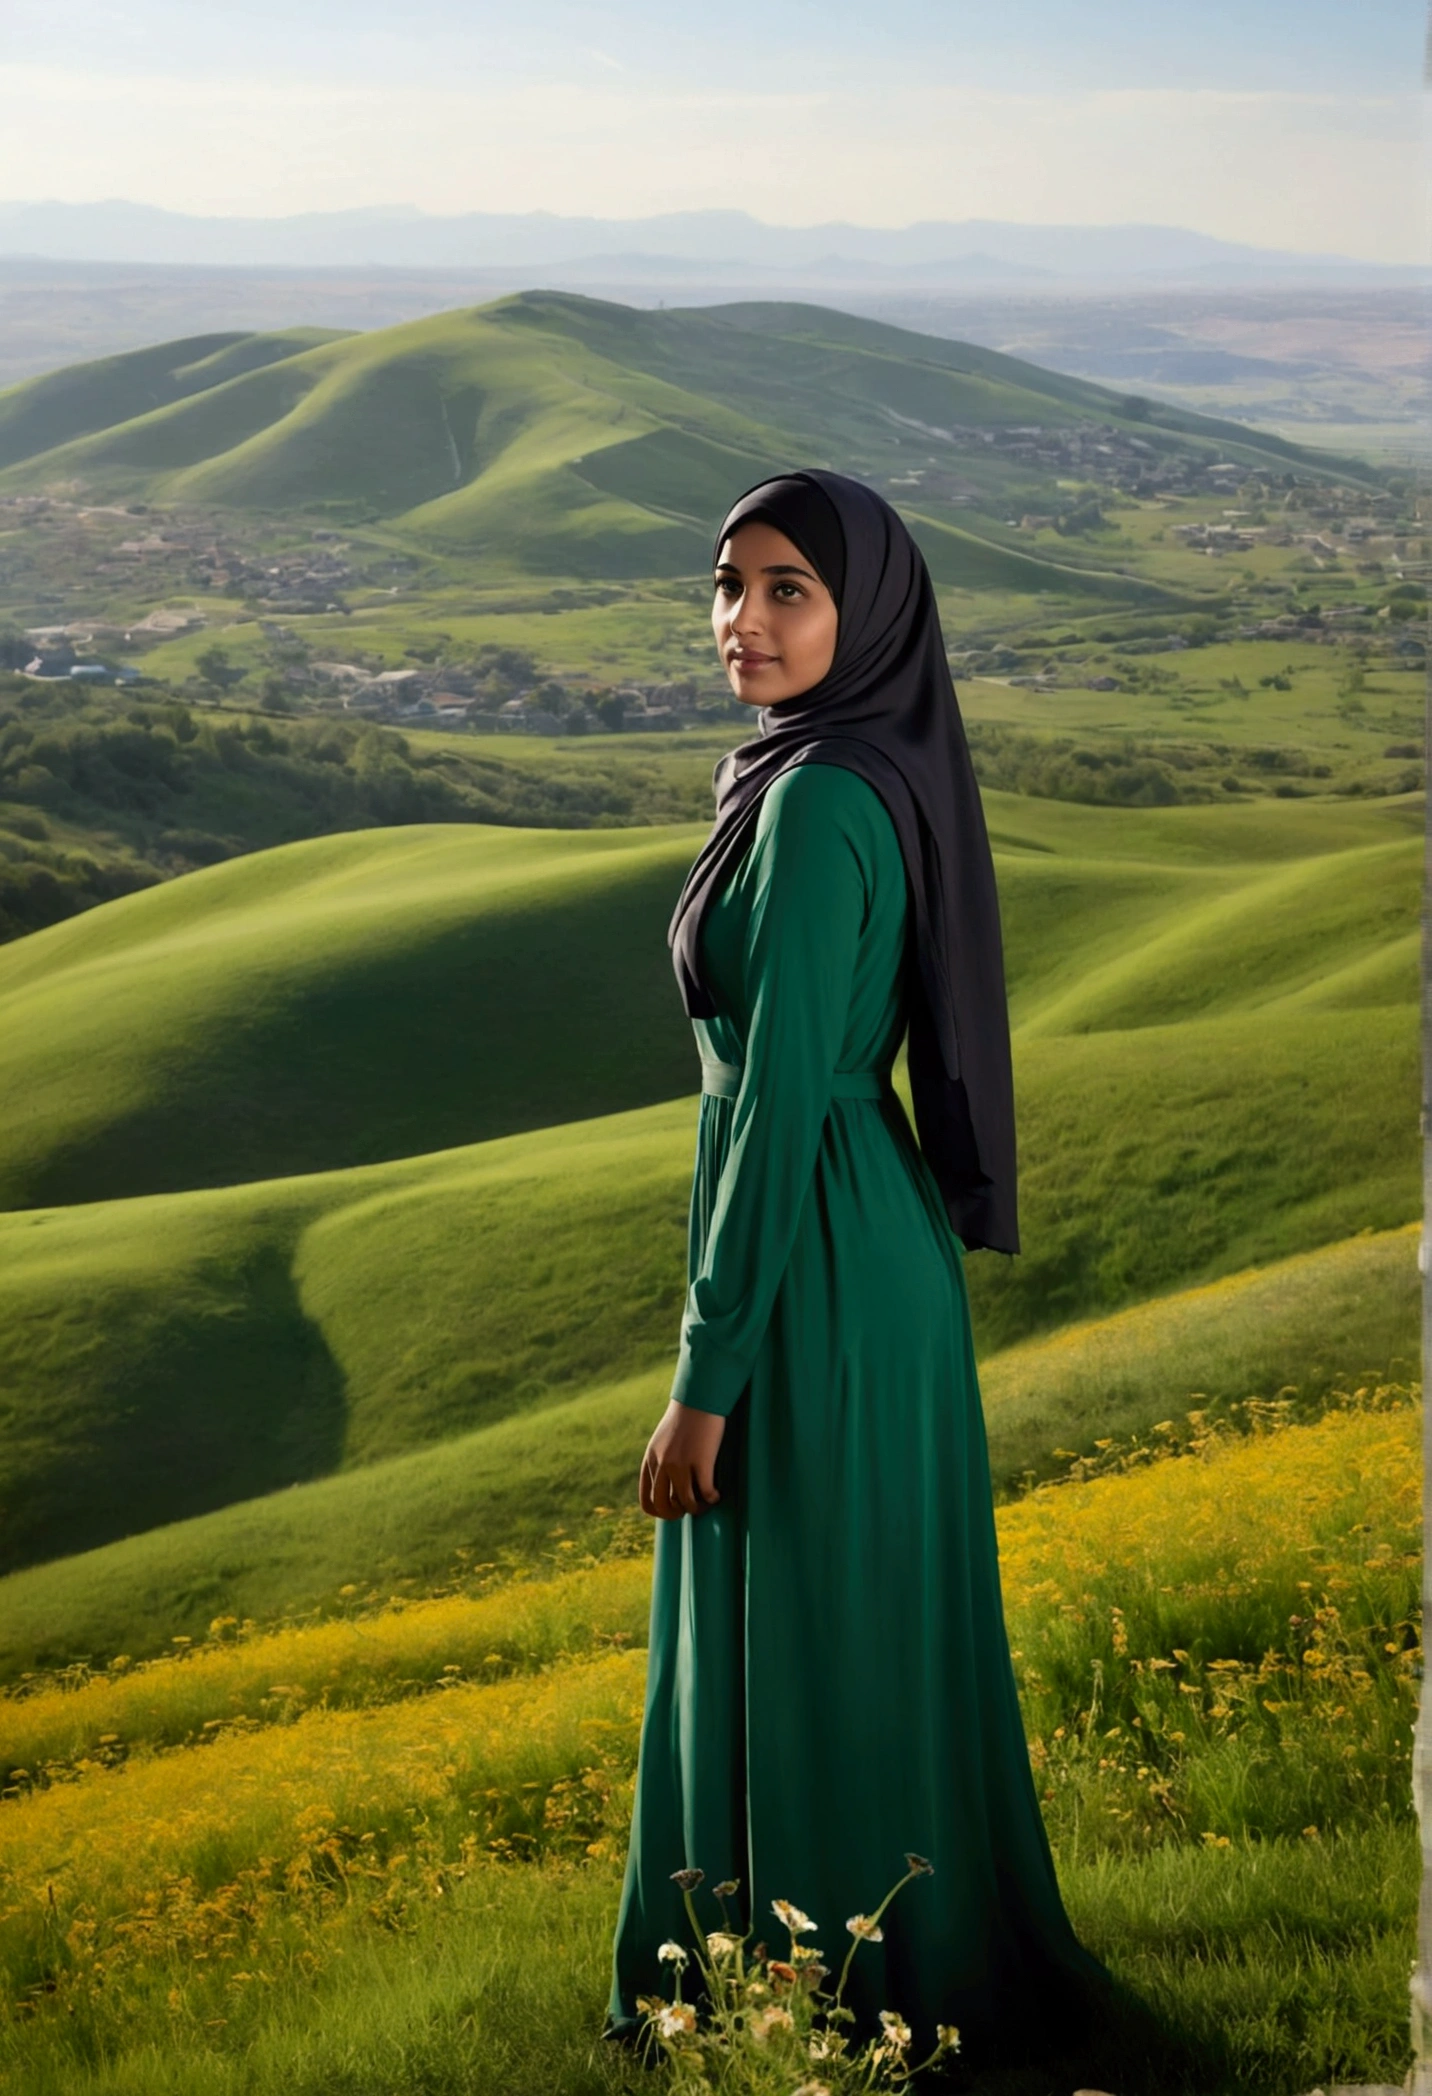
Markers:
<point>728,567</point>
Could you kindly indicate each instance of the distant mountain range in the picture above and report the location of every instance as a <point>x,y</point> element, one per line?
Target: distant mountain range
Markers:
<point>716,247</point>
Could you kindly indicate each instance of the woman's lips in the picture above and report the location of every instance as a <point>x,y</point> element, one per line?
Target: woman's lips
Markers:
<point>746,659</point>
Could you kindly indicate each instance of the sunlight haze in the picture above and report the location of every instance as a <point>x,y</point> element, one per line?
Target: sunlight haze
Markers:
<point>1290,126</point>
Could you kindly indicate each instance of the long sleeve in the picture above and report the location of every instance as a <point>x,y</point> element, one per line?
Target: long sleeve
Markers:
<point>807,878</point>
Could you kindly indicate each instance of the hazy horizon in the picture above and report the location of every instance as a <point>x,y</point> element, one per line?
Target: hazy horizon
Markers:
<point>1292,124</point>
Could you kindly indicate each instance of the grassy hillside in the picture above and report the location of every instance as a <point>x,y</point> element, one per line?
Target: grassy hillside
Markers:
<point>215,1072</point>
<point>381,994</point>
<point>344,1185</point>
<point>74,403</point>
<point>381,1852</point>
<point>560,436</point>
<point>537,1482</point>
<point>333,1319</point>
<point>336,1002</point>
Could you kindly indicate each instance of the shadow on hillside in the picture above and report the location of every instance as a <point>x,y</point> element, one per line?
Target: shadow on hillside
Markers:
<point>1131,2048</point>
<point>228,1393</point>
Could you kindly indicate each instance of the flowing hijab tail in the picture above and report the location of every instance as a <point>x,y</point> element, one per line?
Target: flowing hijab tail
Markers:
<point>974,1171</point>
<point>887,710</point>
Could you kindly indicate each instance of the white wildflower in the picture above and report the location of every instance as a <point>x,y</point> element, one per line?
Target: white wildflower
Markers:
<point>672,1954</point>
<point>867,1930</point>
<point>676,2020</point>
<point>721,1945</point>
<point>799,1924</point>
<point>949,2036</point>
<point>896,2029</point>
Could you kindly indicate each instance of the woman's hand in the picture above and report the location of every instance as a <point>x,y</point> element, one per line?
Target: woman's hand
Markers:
<point>678,1471</point>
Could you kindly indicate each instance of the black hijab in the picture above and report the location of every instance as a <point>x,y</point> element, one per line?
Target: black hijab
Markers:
<point>887,710</point>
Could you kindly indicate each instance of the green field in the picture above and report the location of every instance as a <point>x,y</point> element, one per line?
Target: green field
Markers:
<point>559,435</point>
<point>554,1473</point>
<point>325,1291</point>
<point>315,1128</point>
<point>394,1865</point>
<point>346,1157</point>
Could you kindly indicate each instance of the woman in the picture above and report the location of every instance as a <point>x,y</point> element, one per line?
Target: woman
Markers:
<point>830,1683</point>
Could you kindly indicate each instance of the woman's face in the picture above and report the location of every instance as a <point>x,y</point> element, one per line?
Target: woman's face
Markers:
<point>774,619</point>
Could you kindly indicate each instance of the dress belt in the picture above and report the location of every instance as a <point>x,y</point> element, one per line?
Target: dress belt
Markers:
<point>723,1081</point>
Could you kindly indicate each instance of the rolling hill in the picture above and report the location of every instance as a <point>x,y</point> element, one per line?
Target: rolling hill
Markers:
<point>340,1001</point>
<point>272,1263</point>
<point>553,434</point>
<point>1339,1316</point>
<point>379,994</point>
<point>344,1185</point>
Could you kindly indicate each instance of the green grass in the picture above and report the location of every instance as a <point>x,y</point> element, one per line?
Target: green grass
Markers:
<point>1199,701</point>
<point>336,1002</point>
<point>554,435</point>
<point>325,1320</point>
<point>501,1992</point>
<point>333,1027</point>
<point>397,1524</point>
<point>72,404</point>
<point>1271,1968</point>
<point>335,1318</point>
<point>520,1487</point>
<point>962,560</point>
<point>1343,1316</point>
<point>102,793</point>
<point>358,997</point>
<point>212,1905</point>
<point>1290,932</point>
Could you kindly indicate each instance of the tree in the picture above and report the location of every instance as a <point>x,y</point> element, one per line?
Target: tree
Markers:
<point>216,669</point>
<point>611,712</point>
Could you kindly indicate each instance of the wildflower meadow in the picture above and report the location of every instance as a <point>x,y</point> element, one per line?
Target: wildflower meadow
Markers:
<point>380,1851</point>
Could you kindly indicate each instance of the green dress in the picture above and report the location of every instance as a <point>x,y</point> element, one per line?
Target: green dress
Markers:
<point>829,1679</point>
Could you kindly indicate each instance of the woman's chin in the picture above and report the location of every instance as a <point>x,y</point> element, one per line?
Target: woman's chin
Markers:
<point>760,688</point>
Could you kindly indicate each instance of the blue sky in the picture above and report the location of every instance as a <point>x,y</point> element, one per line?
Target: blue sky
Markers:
<point>1372,46</point>
<point>1290,122</point>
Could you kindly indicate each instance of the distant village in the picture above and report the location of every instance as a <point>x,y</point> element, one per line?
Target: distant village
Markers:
<point>499,691</point>
<point>133,553</point>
